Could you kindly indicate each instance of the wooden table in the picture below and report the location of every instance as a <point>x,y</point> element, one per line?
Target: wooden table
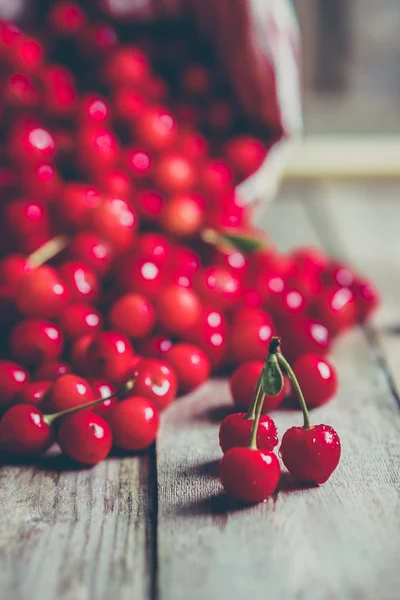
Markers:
<point>157,526</point>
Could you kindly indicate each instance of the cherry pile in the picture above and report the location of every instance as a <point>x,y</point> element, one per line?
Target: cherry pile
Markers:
<point>126,254</point>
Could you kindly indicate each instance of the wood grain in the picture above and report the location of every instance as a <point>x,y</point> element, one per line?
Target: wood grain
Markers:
<point>335,541</point>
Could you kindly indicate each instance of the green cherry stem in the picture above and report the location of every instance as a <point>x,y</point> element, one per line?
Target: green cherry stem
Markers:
<point>49,419</point>
<point>48,251</point>
<point>256,422</point>
<point>306,416</point>
<point>251,413</point>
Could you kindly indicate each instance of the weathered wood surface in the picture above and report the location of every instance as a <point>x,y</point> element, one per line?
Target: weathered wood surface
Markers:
<point>158,527</point>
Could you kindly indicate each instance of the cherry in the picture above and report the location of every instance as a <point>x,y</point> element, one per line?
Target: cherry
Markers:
<point>234,260</point>
<point>156,128</point>
<point>41,293</point>
<point>127,65</point>
<point>98,39</point>
<point>246,154</point>
<point>337,274</point>
<point>175,173</point>
<point>98,147</point>
<point>157,381</point>
<point>90,248</point>
<point>80,281</point>
<point>9,35</point>
<point>290,303</point>
<point>29,222</point>
<point>20,91</point>
<point>185,261</point>
<point>93,109</point>
<point>235,430</point>
<point>27,54</point>
<point>80,319</point>
<point>191,365</point>
<point>66,18</point>
<point>215,177</point>
<point>311,455</point>
<point>110,355</point>
<point>24,431</point>
<point>33,341</point>
<point>336,307</point>
<point>138,162</point>
<point>155,347</point>
<point>154,247</point>
<point>249,475</point>
<point>243,383</point>
<point>250,299</point>
<point>59,94</point>
<point>68,391</point>
<point>34,392</point>
<point>134,423</point>
<point>42,181</point>
<point>79,352</point>
<point>85,437</point>
<point>307,259</point>
<point>13,379</point>
<point>210,335</point>
<point>30,144</point>
<point>136,274</point>
<point>178,309</point>
<point>250,335</point>
<point>115,183</point>
<point>149,205</point>
<point>303,336</point>
<point>51,370</point>
<point>13,268</point>
<point>77,202</point>
<point>128,104</point>
<point>317,377</point>
<point>367,299</point>
<point>132,314</point>
<point>193,145</point>
<point>103,389</point>
<point>265,261</point>
<point>115,222</point>
<point>217,286</point>
<point>183,214</point>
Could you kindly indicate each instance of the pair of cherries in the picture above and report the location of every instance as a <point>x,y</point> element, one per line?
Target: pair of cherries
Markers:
<point>250,470</point>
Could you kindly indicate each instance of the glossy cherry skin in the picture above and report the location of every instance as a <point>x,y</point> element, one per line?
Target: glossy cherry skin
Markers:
<point>81,282</point>
<point>338,274</point>
<point>98,148</point>
<point>234,260</point>
<point>51,370</point>
<point>235,430</point>
<point>174,173</point>
<point>80,319</point>
<point>116,222</point>
<point>291,303</point>
<point>110,355</point>
<point>42,293</point>
<point>217,286</point>
<point>134,423</point>
<point>157,381</point>
<point>367,299</point>
<point>24,432</point>
<point>115,183</point>
<point>336,308</point>
<point>139,163</point>
<point>34,392</point>
<point>317,378</point>
<point>78,353</point>
<point>13,268</point>
<point>77,202</point>
<point>155,347</point>
<point>302,336</point>
<point>42,181</point>
<point>191,365</point>
<point>34,341</point>
<point>149,205</point>
<point>250,335</point>
<point>246,154</point>
<point>85,437</point>
<point>178,309</point>
<point>309,260</point>
<point>90,248</point>
<point>20,91</point>
<point>136,274</point>
<point>103,389</point>
<point>128,104</point>
<point>156,128</point>
<point>310,455</point>
<point>29,222</point>
<point>127,65</point>
<point>215,177</point>
<point>249,476</point>
<point>154,246</point>
<point>13,379</point>
<point>210,334</point>
<point>193,145</point>
<point>132,314</point>
<point>226,211</point>
<point>183,215</point>
<point>68,391</point>
<point>243,383</point>
<point>93,109</point>
<point>31,144</point>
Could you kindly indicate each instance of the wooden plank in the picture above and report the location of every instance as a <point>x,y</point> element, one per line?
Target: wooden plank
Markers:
<point>334,541</point>
<point>76,535</point>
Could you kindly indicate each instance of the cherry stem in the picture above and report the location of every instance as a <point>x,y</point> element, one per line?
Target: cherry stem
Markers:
<point>251,413</point>
<point>228,239</point>
<point>48,250</point>
<point>256,422</point>
<point>306,415</point>
<point>49,419</point>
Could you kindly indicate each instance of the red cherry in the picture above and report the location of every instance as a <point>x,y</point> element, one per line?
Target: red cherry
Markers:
<point>309,260</point>
<point>248,475</point>
<point>154,247</point>
<point>98,39</point>
<point>68,391</point>
<point>250,299</point>
<point>31,144</point>
<point>42,181</point>
<point>175,173</point>
<point>85,437</point>
<point>149,205</point>
<point>34,341</point>
<point>13,268</point>
<point>128,104</point>
<point>34,392</point>
<point>127,65</point>
<point>183,215</point>
<point>98,147</point>
<point>115,183</point>
<point>66,18</point>
<point>243,383</point>
<point>20,91</point>
<point>178,309</point>
<point>155,347</point>
<point>9,35</point>
<point>103,389</point>
<point>132,314</point>
<point>77,202</point>
<point>193,145</point>
<point>267,261</point>
<point>79,352</point>
<point>317,378</point>
<point>210,335</point>
<point>338,274</point>
<point>29,222</point>
<point>234,260</point>
<point>156,128</point>
<point>82,284</point>
<point>60,95</point>
<point>134,423</point>
<point>290,303</point>
<point>235,431</point>
<point>246,154</point>
<point>250,335</point>
<point>303,336</point>
<point>136,274</point>
<point>115,222</point>
<point>157,381</point>
<point>110,355</point>
<point>336,308</point>
<point>227,212</point>
<point>41,293</point>
<point>191,365</point>
<point>311,455</point>
<point>80,319</point>
<point>367,299</point>
<point>13,379</point>
<point>91,249</point>
<point>139,163</point>
<point>27,54</point>
<point>185,261</point>
<point>24,432</point>
<point>216,177</point>
<point>93,109</point>
<point>217,286</point>
<point>51,370</point>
